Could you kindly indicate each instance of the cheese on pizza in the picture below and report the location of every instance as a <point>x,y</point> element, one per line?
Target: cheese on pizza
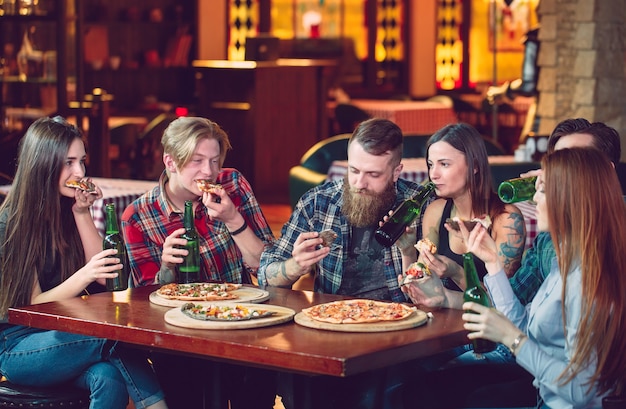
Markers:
<point>358,311</point>
<point>198,291</point>
<point>216,312</point>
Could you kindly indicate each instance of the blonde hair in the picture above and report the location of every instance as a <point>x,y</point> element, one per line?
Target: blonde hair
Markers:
<point>183,134</point>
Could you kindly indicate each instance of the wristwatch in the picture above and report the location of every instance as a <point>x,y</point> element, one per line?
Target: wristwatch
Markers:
<point>516,343</point>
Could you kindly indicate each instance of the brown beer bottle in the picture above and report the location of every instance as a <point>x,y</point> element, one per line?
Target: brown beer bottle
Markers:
<point>476,293</point>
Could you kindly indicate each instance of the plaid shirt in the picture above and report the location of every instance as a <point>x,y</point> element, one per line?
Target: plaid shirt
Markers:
<point>151,218</point>
<point>535,268</point>
<point>320,209</point>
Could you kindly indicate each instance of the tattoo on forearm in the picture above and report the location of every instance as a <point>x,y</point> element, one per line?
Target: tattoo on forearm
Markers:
<point>510,251</point>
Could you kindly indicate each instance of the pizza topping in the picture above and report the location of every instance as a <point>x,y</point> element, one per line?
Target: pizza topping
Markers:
<point>469,224</point>
<point>358,311</point>
<point>84,184</point>
<point>198,291</point>
<point>426,244</point>
<point>416,271</point>
<point>206,185</point>
<point>215,312</point>
<point>327,236</point>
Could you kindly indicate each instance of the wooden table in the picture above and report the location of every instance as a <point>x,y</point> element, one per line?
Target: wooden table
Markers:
<point>130,317</point>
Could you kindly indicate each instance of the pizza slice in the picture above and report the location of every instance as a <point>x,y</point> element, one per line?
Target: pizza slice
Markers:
<point>417,271</point>
<point>426,244</point>
<point>469,224</point>
<point>84,184</point>
<point>206,185</point>
<point>328,237</point>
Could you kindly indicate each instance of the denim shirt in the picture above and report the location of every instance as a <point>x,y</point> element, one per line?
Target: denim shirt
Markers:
<point>534,269</point>
<point>549,347</point>
<point>320,209</point>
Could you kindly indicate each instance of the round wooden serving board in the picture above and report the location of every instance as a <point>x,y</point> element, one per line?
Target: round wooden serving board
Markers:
<point>416,319</point>
<point>245,294</point>
<point>282,314</point>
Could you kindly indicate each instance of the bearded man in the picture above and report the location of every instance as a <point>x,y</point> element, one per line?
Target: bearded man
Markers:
<point>354,264</point>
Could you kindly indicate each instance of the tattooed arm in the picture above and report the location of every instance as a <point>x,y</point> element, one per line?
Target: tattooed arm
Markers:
<point>509,233</point>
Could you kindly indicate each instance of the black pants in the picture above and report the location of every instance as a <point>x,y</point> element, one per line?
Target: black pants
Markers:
<point>193,383</point>
<point>480,385</point>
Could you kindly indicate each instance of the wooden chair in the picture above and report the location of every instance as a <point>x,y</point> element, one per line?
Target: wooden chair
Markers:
<point>348,116</point>
<point>149,150</point>
<point>123,150</point>
<point>56,397</point>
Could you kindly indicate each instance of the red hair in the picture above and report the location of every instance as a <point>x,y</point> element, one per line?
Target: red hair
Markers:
<point>587,219</point>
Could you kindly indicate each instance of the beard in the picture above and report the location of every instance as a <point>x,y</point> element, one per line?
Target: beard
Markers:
<point>363,208</point>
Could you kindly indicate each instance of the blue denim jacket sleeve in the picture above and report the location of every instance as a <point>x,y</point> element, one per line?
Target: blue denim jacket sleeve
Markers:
<point>534,269</point>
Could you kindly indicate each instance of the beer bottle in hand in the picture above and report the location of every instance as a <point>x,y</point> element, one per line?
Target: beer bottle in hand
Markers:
<point>476,293</point>
<point>189,269</point>
<point>113,240</point>
<point>517,190</point>
<point>409,210</point>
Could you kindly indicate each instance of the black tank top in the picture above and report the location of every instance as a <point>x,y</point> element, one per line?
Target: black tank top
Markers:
<point>444,250</point>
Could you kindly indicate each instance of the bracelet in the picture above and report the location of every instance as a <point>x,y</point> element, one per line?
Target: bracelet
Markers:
<point>516,343</point>
<point>239,230</point>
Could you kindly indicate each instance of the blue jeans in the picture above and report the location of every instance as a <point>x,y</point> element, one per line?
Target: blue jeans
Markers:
<point>112,373</point>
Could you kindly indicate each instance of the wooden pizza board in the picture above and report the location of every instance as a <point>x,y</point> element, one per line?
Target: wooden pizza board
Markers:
<point>416,319</point>
<point>176,317</point>
<point>245,294</point>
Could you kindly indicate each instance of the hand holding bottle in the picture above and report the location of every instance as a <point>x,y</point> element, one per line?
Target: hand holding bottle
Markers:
<point>173,249</point>
<point>488,324</point>
<point>482,245</point>
<point>105,265</point>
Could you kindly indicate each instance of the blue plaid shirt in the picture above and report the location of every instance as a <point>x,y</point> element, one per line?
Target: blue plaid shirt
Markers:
<point>534,269</point>
<point>320,209</point>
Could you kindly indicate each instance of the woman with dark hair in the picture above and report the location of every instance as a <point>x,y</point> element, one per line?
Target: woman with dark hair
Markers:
<point>50,250</point>
<point>458,165</point>
<point>570,337</point>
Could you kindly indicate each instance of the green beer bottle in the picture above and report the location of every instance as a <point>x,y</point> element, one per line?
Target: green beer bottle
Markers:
<point>113,240</point>
<point>476,293</point>
<point>189,269</point>
<point>403,216</point>
<point>517,190</point>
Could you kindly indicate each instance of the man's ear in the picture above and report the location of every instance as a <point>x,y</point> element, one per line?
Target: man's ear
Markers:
<point>397,171</point>
<point>169,163</point>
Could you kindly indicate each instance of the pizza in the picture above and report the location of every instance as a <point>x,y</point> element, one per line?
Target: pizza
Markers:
<point>416,271</point>
<point>469,224</point>
<point>206,185</point>
<point>359,311</point>
<point>426,244</point>
<point>327,236</point>
<point>214,312</point>
<point>83,184</point>
<point>198,291</point>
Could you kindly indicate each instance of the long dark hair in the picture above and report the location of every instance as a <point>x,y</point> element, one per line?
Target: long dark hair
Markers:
<point>40,225</point>
<point>466,139</point>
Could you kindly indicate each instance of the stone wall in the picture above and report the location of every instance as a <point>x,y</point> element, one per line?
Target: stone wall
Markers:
<point>581,59</point>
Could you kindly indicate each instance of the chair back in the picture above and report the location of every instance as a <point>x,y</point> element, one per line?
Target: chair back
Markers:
<point>348,117</point>
<point>321,155</point>
<point>414,145</point>
<point>57,397</point>
<point>123,150</point>
<point>149,148</point>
